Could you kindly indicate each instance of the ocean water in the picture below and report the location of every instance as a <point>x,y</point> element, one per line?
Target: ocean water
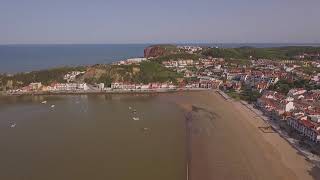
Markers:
<point>24,58</point>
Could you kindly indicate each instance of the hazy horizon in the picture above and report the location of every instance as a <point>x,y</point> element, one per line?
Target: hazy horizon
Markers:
<point>173,43</point>
<point>157,22</point>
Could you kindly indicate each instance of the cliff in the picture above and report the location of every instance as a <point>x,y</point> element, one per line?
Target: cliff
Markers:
<point>159,50</point>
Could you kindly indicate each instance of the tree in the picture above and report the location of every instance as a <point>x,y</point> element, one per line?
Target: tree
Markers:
<point>250,95</point>
<point>106,79</point>
<point>90,80</point>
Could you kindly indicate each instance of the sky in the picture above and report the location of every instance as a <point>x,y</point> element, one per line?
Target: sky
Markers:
<point>160,21</point>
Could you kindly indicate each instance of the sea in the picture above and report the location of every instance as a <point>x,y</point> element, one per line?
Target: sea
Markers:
<point>92,137</point>
<point>26,58</point>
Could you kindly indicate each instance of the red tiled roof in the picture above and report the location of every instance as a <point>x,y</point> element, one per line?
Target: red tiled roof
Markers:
<point>307,123</point>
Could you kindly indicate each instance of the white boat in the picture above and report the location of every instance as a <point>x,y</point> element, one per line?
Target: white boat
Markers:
<point>146,131</point>
<point>52,106</point>
<point>130,108</point>
<point>13,125</point>
<point>136,118</point>
<point>44,102</point>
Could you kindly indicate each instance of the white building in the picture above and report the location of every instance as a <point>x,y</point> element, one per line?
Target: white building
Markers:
<point>136,60</point>
<point>289,107</point>
<point>35,86</point>
<point>101,86</point>
<point>71,76</point>
<point>295,92</point>
<point>69,87</point>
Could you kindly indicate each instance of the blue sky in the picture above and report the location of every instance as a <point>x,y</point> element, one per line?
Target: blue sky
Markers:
<point>160,21</point>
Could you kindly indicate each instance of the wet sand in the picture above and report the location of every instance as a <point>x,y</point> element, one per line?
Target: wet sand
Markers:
<point>226,143</point>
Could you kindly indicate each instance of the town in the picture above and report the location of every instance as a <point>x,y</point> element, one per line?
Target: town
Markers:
<point>287,91</point>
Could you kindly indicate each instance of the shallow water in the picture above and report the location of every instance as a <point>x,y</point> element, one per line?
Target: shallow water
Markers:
<point>91,137</point>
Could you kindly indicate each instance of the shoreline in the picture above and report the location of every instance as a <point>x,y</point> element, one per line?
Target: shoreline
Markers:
<point>155,91</point>
<point>300,151</point>
<point>314,159</point>
<point>223,141</point>
<point>226,143</point>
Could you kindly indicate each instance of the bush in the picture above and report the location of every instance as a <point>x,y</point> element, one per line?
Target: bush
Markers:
<point>154,72</point>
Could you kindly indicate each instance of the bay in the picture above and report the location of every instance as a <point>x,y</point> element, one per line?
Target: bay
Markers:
<point>92,137</point>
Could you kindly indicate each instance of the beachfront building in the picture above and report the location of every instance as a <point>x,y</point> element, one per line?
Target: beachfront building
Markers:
<point>275,105</point>
<point>35,86</point>
<point>123,86</point>
<point>299,109</point>
<point>306,126</point>
<point>32,87</point>
<point>150,86</point>
<point>101,86</point>
<point>68,87</point>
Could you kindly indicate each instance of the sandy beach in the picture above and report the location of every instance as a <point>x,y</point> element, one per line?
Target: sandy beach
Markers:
<point>226,143</point>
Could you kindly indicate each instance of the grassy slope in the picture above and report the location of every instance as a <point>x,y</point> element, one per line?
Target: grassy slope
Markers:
<point>269,53</point>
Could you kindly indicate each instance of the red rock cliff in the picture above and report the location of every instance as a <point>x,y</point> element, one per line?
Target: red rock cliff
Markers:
<point>158,50</point>
<point>153,51</point>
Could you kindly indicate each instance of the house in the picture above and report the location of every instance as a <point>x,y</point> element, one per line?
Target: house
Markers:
<point>297,91</point>
<point>273,105</point>
<point>305,127</point>
<point>136,60</point>
<point>101,86</point>
<point>208,83</point>
<point>35,86</point>
<point>117,85</point>
<point>68,87</point>
<point>83,86</point>
<point>145,86</point>
<point>164,86</point>
<point>261,86</point>
<point>316,79</point>
<point>289,106</point>
<point>71,76</point>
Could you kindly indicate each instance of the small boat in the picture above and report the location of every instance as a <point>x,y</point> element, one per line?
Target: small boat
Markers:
<point>136,118</point>
<point>44,102</point>
<point>130,107</point>
<point>13,125</point>
<point>52,106</point>
<point>146,131</point>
